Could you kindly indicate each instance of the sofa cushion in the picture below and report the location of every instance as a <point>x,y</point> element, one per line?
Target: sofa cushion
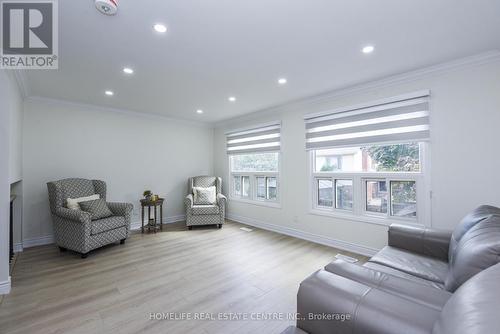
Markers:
<point>107,224</point>
<point>98,209</point>
<point>205,210</point>
<point>414,264</point>
<point>477,250</point>
<point>399,273</point>
<point>473,308</point>
<point>469,221</point>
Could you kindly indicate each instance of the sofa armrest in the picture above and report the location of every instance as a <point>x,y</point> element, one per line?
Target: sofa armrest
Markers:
<point>425,241</point>
<point>74,215</point>
<point>120,209</point>
<point>329,303</point>
<point>221,200</point>
<point>402,287</point>
<point>188,201</point>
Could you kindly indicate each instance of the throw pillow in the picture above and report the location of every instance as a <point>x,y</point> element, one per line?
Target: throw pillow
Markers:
<point>204,196</point>
<point>72,203</point>
<point>97,208</point>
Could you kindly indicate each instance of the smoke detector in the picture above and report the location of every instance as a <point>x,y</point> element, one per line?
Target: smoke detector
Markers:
<point>107,7</point>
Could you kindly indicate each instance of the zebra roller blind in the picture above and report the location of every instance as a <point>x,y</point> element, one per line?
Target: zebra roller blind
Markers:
<point>403,119</point>
<point>266,138</point>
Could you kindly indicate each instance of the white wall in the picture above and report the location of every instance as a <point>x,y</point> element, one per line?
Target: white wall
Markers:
<point>465,164</point>
<point>130,152</point>
<point>15,133</point>
<point>10,166</point>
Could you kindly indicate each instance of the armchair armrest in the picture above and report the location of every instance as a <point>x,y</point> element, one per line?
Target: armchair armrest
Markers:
<point>221,200</point>
<point>425,241</point>
<point>120,209</point>
<point>405,288</point>
<point>188,201</point>
<point>74,215</point>
<point>328,303</point>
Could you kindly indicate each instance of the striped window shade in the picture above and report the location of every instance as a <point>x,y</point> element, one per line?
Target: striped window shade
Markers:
<point>396,120</point>
<point>265,138</point>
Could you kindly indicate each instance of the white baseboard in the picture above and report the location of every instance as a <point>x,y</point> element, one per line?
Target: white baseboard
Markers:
<point>49,239</point>
<point>5,287</point>
<point>319,239</point>
<point>18,247</point>
<point>38,241</point>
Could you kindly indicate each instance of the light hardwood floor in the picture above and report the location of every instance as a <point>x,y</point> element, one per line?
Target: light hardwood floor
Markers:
<point>206,270</point>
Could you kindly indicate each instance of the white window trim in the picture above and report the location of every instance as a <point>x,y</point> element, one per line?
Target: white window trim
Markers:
<point>359,213</point>
<point>252,199</point>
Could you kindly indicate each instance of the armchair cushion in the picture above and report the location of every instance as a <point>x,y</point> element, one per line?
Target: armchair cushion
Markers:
<point>107,224</point>
<point>72,203</point>
<point>98,209</point>
<point>204,196</point>
<point>205,210</point>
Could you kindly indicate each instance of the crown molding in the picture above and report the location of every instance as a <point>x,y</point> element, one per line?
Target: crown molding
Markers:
<point>441,68</point>
<point>153,116</point>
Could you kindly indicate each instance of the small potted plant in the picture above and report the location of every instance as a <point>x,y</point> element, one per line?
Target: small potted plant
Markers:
<point>147,194</point>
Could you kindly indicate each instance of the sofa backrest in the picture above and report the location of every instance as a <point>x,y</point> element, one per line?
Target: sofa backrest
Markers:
<point>61,190</point>
<point>473,308</point>
<point>205,181</point>
<point>474,245</point>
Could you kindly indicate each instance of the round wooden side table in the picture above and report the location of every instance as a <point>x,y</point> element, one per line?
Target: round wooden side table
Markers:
<point>152,222</point>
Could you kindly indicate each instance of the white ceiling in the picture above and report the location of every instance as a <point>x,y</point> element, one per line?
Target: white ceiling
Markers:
<point>220,48</point>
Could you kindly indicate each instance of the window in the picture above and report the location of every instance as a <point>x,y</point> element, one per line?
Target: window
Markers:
<point>325,192</point>
<point>254,157</point>
<point>404,198</point>
<point>369,161</point>
<point>343,194</point>
<point>255,176</point>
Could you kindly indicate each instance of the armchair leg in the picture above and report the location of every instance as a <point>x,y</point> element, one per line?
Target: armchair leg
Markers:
<point>220,225</point>
<point>62,249</point>
<point>122,241</point>
<point>190,228</point>
<point>84,255</point>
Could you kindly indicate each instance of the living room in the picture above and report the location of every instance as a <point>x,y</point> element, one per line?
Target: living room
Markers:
<point>230,167</point>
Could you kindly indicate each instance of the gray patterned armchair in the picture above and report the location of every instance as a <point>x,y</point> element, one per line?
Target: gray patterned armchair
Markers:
<point>205,214</point>
<point>73,229</point>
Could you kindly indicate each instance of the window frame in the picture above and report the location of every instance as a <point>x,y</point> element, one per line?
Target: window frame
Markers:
<point>359,212</point>
<point>252,198</point>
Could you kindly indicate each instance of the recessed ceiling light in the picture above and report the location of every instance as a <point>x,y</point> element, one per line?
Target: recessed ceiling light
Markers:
<point>199,111</point>
<point>128,70</point>
<point>368,49</point>
<point>231,99</point>
<point>160,28</point>
<point>109,93</point>
<point>282,81</point>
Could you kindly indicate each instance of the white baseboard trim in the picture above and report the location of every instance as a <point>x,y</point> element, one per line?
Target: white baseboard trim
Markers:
<point>319,239</point>
<point>166,220</point>
<point>38,241</point>
<point>18,247</point>
<point>5,287</point>
<point>49,239</point>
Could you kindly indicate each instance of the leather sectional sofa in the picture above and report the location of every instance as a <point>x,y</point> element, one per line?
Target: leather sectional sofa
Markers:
<point>424,281</point>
